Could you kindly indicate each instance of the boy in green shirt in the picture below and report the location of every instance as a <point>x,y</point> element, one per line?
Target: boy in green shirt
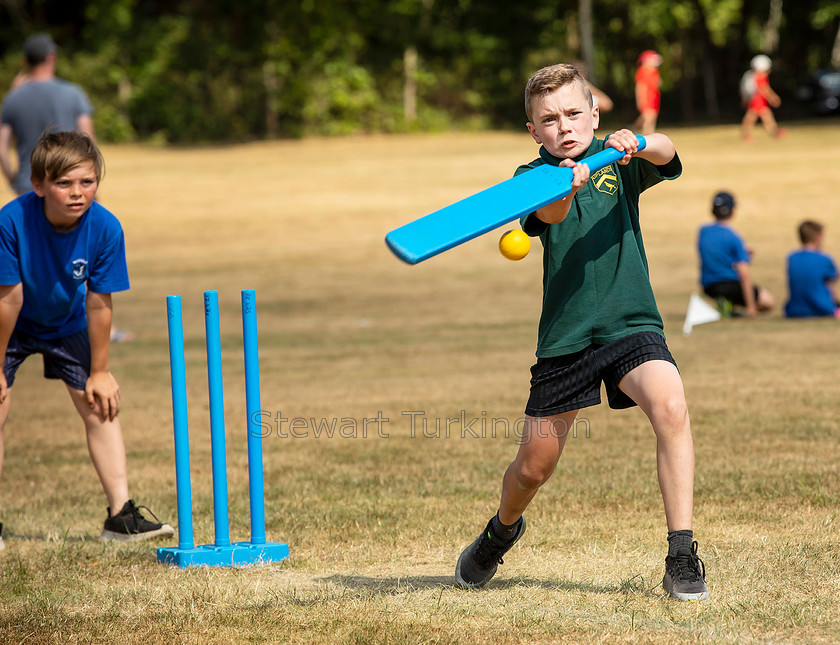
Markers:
<point>599,323</point>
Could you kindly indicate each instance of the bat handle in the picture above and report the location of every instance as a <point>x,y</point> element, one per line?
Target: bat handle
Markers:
<point>642,143</point>
<point>609,155</point>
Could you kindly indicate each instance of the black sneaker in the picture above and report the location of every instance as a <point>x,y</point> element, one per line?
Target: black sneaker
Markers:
<point>685,575</point>
<point>2,543</point>
<point>479,561</point>
<point>129,525</point>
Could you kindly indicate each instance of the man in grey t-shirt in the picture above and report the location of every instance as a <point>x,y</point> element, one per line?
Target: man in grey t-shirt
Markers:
<point>40,102</point>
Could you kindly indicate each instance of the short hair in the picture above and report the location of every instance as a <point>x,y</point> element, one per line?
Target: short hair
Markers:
<point>58,152</point>
<point>809,230</point>
<point>548,79</point>
<point>37,47</point>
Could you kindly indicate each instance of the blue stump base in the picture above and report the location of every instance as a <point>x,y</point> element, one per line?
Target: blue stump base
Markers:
<point>237,554</point>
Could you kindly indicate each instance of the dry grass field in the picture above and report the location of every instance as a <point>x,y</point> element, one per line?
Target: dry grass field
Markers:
<point>375,520</point>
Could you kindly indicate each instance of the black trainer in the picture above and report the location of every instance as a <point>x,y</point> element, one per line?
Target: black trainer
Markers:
<point>2,543</point>
<point>129,525</point>
<point>479,561</point>
<point>685,575</point>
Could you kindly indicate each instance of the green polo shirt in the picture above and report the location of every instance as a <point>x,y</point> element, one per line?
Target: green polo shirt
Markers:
<point>596,285</point>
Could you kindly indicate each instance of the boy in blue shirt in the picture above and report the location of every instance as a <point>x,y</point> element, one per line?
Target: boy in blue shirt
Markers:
<point>724,262</point>
<point>599,324</point>
<point>811,276</point>
<point>61,256</point>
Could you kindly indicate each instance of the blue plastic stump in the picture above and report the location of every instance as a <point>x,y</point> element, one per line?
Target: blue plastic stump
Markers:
<point>177,371</point>
<point>236,554</point>
<point>217,418</point>
<point>252,404</point>
<point>222,553</point>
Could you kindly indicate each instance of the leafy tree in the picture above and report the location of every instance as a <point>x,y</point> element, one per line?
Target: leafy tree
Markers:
<point>184,71</point>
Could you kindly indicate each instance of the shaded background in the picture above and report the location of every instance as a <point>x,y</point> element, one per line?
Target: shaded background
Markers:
<point>195,70</point>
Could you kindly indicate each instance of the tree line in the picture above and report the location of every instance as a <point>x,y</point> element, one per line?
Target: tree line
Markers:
<point>186,71</point>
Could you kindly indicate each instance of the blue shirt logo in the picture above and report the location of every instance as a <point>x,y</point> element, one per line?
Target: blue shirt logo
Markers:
<point>80,269</point>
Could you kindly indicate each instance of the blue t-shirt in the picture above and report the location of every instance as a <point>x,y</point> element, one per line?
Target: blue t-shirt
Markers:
<point>34,107</point>
<point>720,250</point>
<point>808,271</point>
<point>56,268</point>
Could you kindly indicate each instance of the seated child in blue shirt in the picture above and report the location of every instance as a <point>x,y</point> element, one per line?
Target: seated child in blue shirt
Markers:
<point>724,262</point>
<point>811,276</point>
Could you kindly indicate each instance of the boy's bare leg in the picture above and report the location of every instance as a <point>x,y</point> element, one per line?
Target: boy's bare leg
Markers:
<point>540,447</point>
<point>107,451</point>
<point>649,121</point>
<point>765,301</point>
<point>747,124</point>
<point>645,123</point>
<point>657,388</point>
<point>5,406</point>
<point>539,450</point>
<point>4,414</point>
<point>769,121</point>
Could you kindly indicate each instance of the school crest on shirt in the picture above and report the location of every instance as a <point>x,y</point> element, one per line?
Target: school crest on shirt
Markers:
<point>80,269</point>
<point>605,180</point>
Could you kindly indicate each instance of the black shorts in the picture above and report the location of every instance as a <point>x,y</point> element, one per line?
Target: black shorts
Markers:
<point>573,381</point>
<point>730,291</point>
<point>65,358</point>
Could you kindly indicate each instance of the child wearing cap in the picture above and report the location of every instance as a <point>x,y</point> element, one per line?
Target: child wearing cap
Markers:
<point>724,263</point>
<point>759,97</point>
<point>647,91</point>
<point>811,276</point>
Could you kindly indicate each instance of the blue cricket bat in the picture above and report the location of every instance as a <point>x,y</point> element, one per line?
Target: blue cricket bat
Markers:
<point>476,215</point>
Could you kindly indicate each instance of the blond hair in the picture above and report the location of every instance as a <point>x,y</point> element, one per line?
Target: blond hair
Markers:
<point>56,153</point>
<point>546,80</point>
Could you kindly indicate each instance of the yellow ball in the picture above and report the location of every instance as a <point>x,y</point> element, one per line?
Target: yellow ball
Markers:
<point>514,245</point>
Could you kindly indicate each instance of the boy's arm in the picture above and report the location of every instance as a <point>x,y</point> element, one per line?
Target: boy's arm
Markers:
<point>556,212</point>
<point>830,283</point>
<point>101,386</point>
<point>659,149</point>
<point>11,300</point>
<point>84,124</point>
<point>767,92</point>
<point>744,277</point>
<point>5,146</point>
<point>833,292</point>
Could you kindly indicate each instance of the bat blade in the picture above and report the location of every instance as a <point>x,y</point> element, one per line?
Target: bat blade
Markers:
<point>476,215</point>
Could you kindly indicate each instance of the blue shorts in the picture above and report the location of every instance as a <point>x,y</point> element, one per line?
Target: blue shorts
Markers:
<point>573,381</point>
<point>65,358</point>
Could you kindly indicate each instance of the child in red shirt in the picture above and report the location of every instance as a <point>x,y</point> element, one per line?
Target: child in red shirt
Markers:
<point>759,98</point>
<point>647,91</point>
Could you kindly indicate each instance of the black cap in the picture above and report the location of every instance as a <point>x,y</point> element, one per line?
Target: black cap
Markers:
<point>37,47</point>
<point>723,204</point>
